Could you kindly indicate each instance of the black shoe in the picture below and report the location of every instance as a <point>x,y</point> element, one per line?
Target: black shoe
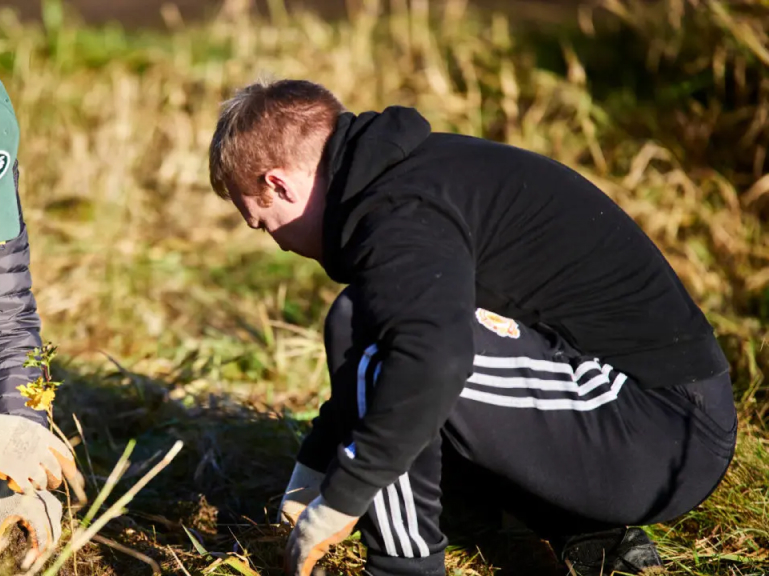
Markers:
<point>624,550</point>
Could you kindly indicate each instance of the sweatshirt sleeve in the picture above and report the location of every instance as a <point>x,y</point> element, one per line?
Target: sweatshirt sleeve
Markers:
<point>19,324</point>
<point>416,276</point>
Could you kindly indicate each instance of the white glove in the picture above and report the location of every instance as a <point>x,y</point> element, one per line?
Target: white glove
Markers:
<point>38,512</point>
<point>317,529</point>
<point>303,488</point>
<point>32,458</point>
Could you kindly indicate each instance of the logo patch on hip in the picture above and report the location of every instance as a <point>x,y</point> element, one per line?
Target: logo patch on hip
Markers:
<point>505,327</point>
<point>5,162</point>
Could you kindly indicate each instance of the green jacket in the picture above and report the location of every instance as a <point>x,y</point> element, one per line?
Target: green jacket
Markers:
<point>19,321</point>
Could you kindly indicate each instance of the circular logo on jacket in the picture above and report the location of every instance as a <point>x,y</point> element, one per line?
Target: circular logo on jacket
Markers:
<point>505,327</point>
<point>5,162</point>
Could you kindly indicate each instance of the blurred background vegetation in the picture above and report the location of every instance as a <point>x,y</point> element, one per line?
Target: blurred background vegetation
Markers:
<point>174,320</point>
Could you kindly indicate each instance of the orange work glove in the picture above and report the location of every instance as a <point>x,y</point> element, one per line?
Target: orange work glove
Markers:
<point>316,530</point>
<point>32,458</point>
<point>303,488</point>
<point>39,513</point>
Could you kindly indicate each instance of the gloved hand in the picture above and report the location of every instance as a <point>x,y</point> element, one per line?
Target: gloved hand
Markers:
<point>38,512</point>
<point>32,458</point>
<point>303,488</point>
<point>319,527</point>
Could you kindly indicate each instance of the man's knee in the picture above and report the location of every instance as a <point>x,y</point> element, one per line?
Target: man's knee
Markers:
<point>343,338</point>
<point>340,314</point>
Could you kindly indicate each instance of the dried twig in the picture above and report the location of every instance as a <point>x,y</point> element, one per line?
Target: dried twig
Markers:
<point>179,562</point>
<point>87,452</point>
<point>128,551</point>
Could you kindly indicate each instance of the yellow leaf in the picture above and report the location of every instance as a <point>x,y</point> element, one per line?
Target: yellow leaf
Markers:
<point>38,399</point>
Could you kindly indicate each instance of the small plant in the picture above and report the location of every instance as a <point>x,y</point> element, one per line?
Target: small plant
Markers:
<point>41,393</point>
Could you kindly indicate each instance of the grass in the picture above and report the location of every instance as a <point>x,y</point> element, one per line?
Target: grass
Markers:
<point>176,322</point>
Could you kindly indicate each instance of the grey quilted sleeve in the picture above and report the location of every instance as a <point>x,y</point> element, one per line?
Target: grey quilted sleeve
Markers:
<point>19,323</point>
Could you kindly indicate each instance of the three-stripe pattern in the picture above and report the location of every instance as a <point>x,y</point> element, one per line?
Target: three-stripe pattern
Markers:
<point>513,382</point>
<point>522,382</point>
<point>396,515</point>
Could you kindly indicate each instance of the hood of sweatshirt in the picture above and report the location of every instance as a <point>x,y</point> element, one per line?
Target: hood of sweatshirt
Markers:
<point>359,152</point>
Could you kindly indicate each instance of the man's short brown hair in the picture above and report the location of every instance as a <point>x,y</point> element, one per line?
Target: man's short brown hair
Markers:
<point>267,125</point>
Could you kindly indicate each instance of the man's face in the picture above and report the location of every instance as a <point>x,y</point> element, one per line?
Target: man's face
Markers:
<point>294,218</point>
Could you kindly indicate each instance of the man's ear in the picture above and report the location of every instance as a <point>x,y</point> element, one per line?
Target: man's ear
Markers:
<point>279,182</point>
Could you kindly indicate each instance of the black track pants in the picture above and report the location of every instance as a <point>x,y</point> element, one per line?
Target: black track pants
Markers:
<point>564,442</point>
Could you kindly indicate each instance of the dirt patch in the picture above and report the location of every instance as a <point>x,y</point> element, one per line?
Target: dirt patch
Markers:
<point>12,557</point>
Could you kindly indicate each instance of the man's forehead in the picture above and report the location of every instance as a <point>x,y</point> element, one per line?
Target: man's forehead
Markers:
<point>239,199</point>
<point>240,203</point>
<point>234,187</point>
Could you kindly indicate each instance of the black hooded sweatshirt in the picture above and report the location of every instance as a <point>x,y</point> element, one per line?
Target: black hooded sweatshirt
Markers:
<point>430,226</point>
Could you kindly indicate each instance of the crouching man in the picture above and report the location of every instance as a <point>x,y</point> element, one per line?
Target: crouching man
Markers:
<point>505,324</point>
<point>33,460</point>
